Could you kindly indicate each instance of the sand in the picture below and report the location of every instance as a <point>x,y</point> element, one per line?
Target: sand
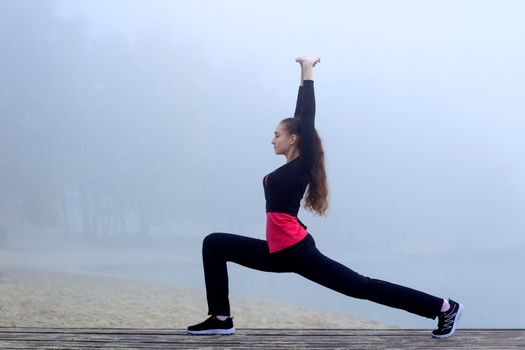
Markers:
<point>49,280</point>
<point>65,299</point>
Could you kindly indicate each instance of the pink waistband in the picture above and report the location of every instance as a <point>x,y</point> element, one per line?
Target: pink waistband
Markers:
<point>283,230</point>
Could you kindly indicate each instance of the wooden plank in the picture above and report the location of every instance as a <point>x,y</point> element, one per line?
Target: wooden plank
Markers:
<point>128,338</point>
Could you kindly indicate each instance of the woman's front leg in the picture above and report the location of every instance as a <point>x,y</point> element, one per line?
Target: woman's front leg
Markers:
<point>217,250</point>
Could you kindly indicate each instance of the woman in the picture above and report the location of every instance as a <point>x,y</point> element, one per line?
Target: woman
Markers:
<point>288,246</point>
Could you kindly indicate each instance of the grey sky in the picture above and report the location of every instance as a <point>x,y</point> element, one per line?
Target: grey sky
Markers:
<point>420,103</point>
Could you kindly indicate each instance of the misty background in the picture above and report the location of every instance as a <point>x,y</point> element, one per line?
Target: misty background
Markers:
<point>143,126</point>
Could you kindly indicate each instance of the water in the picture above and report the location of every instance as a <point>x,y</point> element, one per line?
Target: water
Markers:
<point>492,299</point>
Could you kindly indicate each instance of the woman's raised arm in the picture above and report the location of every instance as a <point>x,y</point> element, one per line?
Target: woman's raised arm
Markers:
<point>307,64</point>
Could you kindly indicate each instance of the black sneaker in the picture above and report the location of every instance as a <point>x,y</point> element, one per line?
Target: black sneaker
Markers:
<point>448,321</point>
<point>213,326</point>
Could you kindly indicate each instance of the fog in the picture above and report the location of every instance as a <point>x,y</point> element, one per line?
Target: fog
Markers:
<point>143,126</point>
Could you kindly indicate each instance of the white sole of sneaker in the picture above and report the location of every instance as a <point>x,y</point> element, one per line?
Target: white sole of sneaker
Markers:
<point>213,331</point>
<point>456,319</point>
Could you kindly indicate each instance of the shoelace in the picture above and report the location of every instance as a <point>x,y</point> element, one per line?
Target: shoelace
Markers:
<point>447,320</point>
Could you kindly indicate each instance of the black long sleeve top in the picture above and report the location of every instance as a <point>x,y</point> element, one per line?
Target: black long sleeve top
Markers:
<point>285,187</point>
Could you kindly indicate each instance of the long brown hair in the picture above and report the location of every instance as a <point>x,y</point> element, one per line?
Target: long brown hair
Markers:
<point>316,199</point>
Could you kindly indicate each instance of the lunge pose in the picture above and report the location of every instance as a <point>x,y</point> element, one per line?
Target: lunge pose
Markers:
<point>288,246</point>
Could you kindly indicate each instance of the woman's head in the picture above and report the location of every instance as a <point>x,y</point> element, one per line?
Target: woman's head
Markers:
<point>286,141</point>
<point>286,138</point>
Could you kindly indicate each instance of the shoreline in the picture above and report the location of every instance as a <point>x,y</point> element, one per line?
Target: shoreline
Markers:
<point>49,298</point>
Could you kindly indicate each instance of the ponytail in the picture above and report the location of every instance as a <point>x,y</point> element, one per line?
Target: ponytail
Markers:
<point>317,192</point>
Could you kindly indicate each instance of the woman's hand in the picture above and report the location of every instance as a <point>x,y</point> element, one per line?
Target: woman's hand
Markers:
<point>308,60</point>
<point>307,65</point>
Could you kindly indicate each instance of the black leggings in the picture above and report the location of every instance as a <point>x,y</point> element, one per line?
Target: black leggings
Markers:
<point>302,258</point>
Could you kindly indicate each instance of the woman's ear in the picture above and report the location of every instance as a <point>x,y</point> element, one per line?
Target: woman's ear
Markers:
<point>293,139</point>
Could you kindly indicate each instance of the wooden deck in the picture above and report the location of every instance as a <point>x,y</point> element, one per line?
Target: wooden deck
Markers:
<point>126,338</point>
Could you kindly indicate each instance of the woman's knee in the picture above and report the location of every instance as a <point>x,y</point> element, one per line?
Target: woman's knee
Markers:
<point>213,240</point>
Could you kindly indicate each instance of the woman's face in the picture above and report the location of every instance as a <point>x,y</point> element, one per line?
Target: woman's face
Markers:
<point>283,141</point>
